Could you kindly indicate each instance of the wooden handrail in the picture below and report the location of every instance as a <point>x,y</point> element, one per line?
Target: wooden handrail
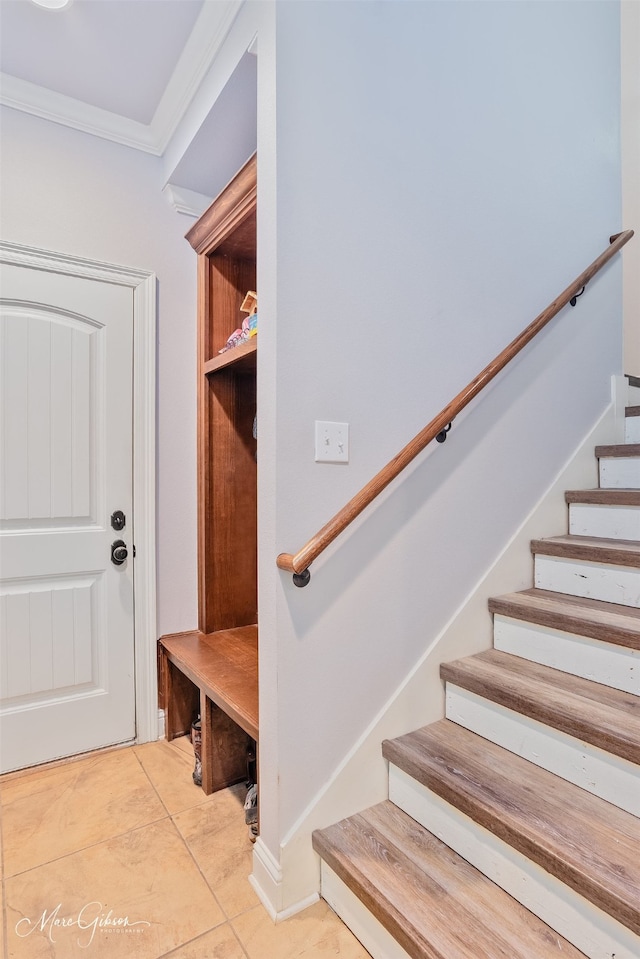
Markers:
<point>299,563</point>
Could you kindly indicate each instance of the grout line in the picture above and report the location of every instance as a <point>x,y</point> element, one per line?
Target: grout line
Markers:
<point>91,845</point>
<point>190,942</point>
<point>151,783</point>
<point>228,918</point>
<point>170,814</point>
<point>197,865</point>
<point>238,939</point>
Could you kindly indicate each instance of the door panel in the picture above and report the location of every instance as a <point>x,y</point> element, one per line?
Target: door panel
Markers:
<point>50,397</point>
<point>66,612</point>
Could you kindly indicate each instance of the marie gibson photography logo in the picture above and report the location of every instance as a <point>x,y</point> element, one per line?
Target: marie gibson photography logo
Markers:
<point>92,918</point>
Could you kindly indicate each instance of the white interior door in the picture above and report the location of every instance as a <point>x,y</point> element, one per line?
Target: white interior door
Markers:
<point>66,610</point>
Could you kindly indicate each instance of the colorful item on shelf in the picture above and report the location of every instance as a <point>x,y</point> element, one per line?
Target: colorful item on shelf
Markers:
<point>249,326</point>
<point>250,303</point>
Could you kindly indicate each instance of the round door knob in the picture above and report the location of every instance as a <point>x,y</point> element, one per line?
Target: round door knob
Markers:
<point>119,552</point>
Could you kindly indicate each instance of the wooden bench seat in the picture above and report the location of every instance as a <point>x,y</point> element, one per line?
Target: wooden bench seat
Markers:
<point>216,675</point>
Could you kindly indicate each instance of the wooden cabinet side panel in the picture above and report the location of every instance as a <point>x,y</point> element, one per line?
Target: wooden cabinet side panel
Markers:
<point>231,504</point>
<point>225,748</point>
<point>203,431</point>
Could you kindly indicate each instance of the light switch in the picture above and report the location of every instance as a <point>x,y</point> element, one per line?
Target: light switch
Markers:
<point>332,442</point>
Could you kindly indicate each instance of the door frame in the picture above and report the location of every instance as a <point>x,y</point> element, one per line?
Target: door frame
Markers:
<point>143,287</point>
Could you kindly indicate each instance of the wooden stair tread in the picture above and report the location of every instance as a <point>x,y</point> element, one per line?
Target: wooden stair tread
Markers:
<point>619,552</point>
<point>632,411</point>
<point>587,843</point>
<point>607,622</point>
<point>433,902</point>
<point>604,497</point>
<point>224,665</point>
<point>596,714</point>
<point>618,449</point>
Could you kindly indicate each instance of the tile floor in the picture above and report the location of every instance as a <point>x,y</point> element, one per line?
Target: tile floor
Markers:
<point>125,833</point>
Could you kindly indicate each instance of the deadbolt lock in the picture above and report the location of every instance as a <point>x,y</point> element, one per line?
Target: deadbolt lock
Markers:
<point>118,519</point>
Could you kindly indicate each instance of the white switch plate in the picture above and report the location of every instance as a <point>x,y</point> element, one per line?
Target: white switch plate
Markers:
<point>332,442</point>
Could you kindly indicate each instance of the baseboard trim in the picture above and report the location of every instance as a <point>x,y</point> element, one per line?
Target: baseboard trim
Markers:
<point>161,724</point>
<point>267,882</point>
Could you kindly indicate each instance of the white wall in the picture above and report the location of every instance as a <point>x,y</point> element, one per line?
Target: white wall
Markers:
<point>67,191</point>
<point>442,172</point>
<point>630,32</point>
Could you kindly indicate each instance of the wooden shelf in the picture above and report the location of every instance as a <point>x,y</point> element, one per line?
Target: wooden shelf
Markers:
<point>242,357</point>
<point>224,665</point>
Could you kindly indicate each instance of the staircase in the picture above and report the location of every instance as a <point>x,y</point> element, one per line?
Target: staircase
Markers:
<point>512,829</point>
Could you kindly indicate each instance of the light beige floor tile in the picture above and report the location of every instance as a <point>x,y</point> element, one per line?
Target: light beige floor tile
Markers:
<point>219,840</point>
<point>221,943</point>
<point>183,745</point>
<point>317,932</point>
<point>170,773</point>
<point>146,875</point>
<point>62,810</point>
<point>33,771</point>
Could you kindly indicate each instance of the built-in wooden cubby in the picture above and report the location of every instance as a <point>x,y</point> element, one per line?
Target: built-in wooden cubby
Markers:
<point>220,658</point>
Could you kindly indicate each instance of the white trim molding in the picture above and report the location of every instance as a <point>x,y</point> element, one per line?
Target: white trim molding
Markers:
<point>267,882</point>
<point>39,102</point>
<point>186,201</point>
<point>143,287</point>
<point>209,33</point>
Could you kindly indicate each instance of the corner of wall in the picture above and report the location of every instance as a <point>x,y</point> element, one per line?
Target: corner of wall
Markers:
<point>268,882</point>
<point>360,781</point>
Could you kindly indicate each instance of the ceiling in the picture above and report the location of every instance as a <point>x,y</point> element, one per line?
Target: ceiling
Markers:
<point>126,70</point>
<point>117,55</point>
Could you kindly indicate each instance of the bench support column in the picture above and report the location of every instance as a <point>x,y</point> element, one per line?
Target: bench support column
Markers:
<point>224,748</point>
<point>180,701</point>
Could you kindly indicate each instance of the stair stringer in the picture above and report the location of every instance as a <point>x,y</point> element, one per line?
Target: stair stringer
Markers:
<point>361,780</point>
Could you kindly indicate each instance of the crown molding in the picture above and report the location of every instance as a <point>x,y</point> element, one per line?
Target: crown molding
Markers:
<point>48,105</point>
<point>186,201</point>
<point>208,35</point>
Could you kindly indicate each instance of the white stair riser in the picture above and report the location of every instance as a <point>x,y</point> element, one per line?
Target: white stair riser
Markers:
<point>363,924</point>
<point>613,584</point>
<point>632,429</point>
<point>633,395</point>
<point>615,666</point>
<point>590,929</point>
<point>620,472</point>
<point>610,522</point>
<point>611,778</point>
